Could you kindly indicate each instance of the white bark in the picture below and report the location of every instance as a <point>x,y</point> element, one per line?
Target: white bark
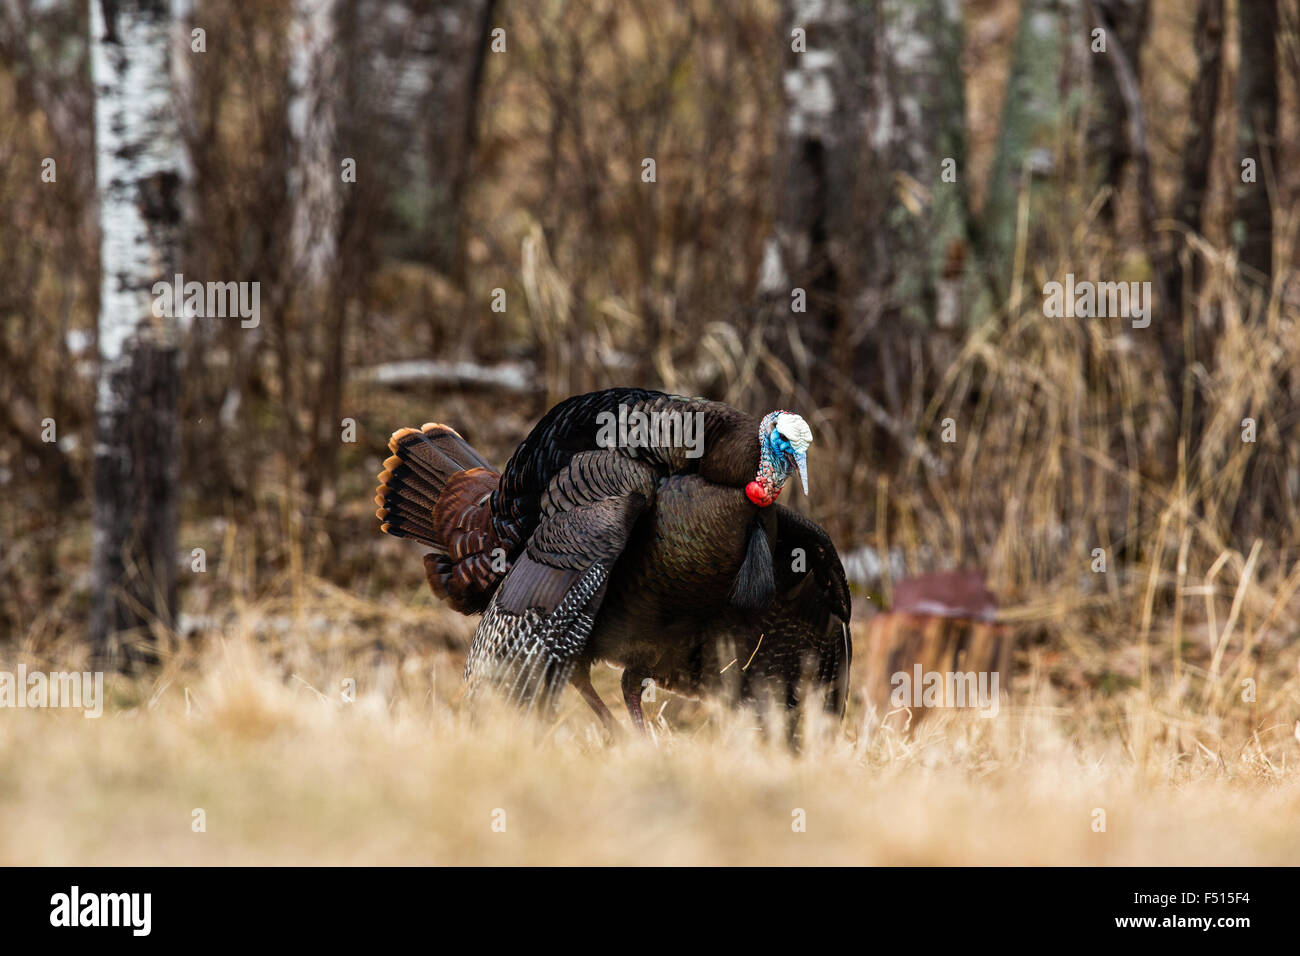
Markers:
<point>138,177</point>
<point>812,84</point>
<point>315,179</point>
<point>184,92</point>
<point>137,156</point>
<point>874,107</point>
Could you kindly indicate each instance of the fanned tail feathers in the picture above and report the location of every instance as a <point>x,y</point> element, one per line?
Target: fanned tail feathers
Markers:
<point>436,489</point>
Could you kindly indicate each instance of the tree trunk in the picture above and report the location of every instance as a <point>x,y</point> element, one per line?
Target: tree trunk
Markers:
<point>916,141</point>
<point>1198,147</point>
<point>1257,98</point>
<point>460,51</point>
<point>138,165</point>
<point>1183,342</point>
<point>1028,152</point>
<point>314,180</point>
<point>1125,23</point>
<point>868,224</point>
<point>1257,114</point>
<point>823,113</point>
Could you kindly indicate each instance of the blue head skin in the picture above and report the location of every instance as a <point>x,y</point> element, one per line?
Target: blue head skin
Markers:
<point>783,441</point>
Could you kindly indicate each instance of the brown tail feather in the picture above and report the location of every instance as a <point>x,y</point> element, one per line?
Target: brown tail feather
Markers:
<point>437,489</point>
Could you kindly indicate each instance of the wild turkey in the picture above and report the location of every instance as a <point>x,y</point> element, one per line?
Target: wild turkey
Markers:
<point>600,542</point>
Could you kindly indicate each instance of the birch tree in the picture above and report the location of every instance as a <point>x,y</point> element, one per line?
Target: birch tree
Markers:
<point>137,152</point>
<point>800,259</point>
<point>315,178</point>
<point>915,123</point>
<point>871,220</point>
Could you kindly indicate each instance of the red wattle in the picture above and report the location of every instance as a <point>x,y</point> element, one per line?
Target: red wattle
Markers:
<point>755,493</point>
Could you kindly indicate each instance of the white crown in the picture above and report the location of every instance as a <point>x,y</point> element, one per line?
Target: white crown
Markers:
<point>795,430</point>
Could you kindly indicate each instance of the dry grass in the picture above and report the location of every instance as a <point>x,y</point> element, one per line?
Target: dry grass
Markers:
<point>254,731</point>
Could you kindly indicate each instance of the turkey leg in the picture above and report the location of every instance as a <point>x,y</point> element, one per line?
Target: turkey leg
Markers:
<point>632,687</point>
<point>582,680</point>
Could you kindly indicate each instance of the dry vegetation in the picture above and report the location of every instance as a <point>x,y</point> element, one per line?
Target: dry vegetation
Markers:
<point>1165,691</point>
<point>256,734</point>
<point>1129,692</point>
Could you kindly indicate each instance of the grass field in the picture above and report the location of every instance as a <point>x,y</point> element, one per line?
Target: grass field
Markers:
<point>254,732</point>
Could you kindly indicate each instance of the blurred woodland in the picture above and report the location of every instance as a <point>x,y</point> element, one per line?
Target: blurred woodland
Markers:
<point>852,211</point>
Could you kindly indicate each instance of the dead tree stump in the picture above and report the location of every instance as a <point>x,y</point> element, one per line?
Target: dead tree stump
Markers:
<point>940,624</point>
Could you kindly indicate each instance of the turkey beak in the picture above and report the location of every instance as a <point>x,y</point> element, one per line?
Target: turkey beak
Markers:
<point>801,461</point>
